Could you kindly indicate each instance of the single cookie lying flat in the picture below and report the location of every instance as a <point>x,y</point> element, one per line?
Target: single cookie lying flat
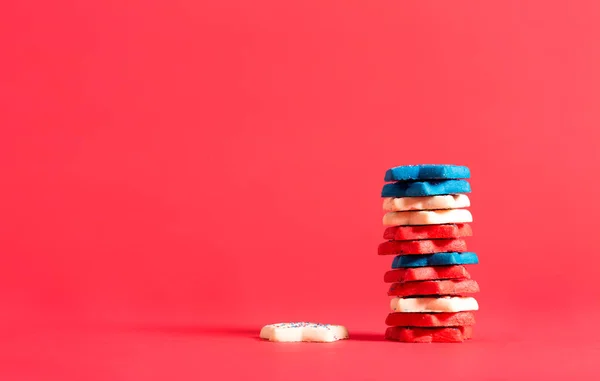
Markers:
<point>303,331</point>
<point>426,273</point>
<point>427,172</point>
<point>437,259</point>
<point>425,188</point>
<point>407,233</point>
<point>443,304</point>
<point>427,217</point>
<point>421,247</point>
<point>451,201</point>
<point>429,335</point>
<point>442,319</point>
<point>434,287</point>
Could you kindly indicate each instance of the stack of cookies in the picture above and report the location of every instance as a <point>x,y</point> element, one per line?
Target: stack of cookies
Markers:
<point>426,224</point>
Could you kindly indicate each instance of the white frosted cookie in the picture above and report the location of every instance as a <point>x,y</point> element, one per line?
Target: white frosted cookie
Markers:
<point>443,304</point>
<point>427,217</point>
<point>450,201</point>
<point>303,331</point>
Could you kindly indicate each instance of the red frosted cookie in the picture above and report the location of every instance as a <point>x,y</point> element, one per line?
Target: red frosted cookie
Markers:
<point>434,287</point>
<point>409,274</point>
<point>429,335</point>
<point>444,319</point>
<point>422,247</point>
<point>407,233</point>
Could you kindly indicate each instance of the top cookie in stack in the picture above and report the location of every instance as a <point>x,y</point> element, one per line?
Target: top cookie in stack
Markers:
<point>426,225</point>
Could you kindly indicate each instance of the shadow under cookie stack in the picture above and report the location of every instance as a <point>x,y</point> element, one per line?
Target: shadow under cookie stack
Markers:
<point>426,224</point>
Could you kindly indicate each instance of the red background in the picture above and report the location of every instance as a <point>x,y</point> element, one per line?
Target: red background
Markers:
<point>176,174</point>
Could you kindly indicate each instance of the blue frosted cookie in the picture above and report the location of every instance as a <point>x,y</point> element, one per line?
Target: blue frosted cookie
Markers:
<point>427,172</point>
<point>437,259</point>
<point>425,188</point>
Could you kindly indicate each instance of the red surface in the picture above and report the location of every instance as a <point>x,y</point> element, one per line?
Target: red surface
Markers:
<point>156,155</point>
<point>421,246</point>
<point>426,273</point>
<point>443,319</point>
<point>429,335</point>
<point>404,233</point>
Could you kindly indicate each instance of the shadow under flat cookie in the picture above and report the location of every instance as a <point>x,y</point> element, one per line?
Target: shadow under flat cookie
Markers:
<point>416,232</point>
<point>426,273</point>
<point>421,247</point>
<point>425,188</point>
<point>437,259</point>
<point>452,287</point>
<point>443,319</point>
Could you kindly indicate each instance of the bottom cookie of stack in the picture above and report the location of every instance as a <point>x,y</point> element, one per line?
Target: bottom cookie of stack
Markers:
<point>431,319</point>
<point>429,335</point>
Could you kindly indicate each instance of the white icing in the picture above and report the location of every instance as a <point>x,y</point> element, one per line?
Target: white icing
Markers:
<point>427,217</point>
<point>303,331</point>
<point>451,201</point>
<point>444,304</point>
